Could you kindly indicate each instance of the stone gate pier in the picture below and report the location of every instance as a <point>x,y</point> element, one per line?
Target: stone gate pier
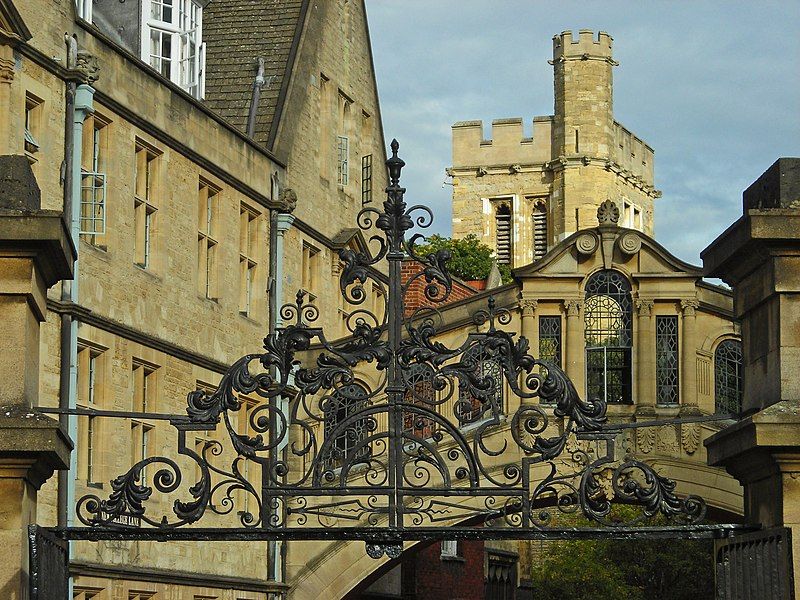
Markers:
<point>759,256</point>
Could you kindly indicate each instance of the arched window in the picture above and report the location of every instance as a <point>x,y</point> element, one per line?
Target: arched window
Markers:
<point>728,377</point>
<point>344,403</point>
<point>539,218</point>
<point>503,234</point>
<point>420,392</point>
<point>608,331</point>
<point>486,365</point>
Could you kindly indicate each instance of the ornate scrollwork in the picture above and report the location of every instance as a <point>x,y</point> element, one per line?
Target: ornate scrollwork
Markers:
<point>393,427</point>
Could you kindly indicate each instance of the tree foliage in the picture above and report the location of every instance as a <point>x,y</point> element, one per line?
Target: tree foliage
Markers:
<point>626,569</point>
<point>470,259</point>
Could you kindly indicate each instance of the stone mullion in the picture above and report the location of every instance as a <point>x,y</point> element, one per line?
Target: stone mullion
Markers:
<point>574,355</point>
<point>687,380</point>
<point>645,364</point>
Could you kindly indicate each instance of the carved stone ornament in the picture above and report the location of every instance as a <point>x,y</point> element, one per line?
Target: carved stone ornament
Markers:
<point>690,437</point>
<point>573,307</point>
<point>667,439</point>
<point>586,243</point>
<point>608,213</point>
<point>515,169</point>
<point>645,439</point>
<point>86,65</point>
<point>629,243</point>
<point>288,200</point>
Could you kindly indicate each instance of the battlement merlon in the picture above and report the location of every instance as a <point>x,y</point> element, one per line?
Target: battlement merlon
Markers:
<point>507,146</point>
<point>587,46</point>
<point>633,154</point>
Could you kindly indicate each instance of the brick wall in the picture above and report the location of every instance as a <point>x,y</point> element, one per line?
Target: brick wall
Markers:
<point>430,576</point>
<point>415,297</point>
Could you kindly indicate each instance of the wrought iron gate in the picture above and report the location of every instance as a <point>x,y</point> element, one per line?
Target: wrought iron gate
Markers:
<point>49,565</point>
<point>390,434</point>
<point>755,566</point>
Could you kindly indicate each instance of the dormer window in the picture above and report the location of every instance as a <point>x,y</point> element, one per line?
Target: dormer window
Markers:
<point>172,42</point>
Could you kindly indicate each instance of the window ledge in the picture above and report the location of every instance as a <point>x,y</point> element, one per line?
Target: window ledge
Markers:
<point>250,319</point>
<point>453,558</point>
<point>147,271</point>
<point>94,484</point>
<point>101,251</point>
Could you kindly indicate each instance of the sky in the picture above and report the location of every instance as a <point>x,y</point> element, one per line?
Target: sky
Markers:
<point>712,87</point>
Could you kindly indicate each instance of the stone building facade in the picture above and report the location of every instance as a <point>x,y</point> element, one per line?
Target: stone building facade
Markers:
<point>190,229</point>
<point>524,194</point>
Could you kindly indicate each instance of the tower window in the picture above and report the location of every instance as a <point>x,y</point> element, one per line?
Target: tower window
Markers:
<point>539,230</point>
<point>503,234</point>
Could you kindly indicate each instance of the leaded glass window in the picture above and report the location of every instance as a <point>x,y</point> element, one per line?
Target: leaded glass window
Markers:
<point>341,421</point>
<point>420,392</point>
<point>608,332</point>
<point>667,359</point>
<point>728,377</point>
<point>487,369</point>
<point>550,339</point>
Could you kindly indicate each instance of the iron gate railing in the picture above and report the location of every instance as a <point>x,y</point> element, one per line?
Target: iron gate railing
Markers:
<point>49,565</point>
<point>755,566</point>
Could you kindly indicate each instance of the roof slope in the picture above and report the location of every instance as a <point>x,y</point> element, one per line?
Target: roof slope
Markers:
<point>237,33</point>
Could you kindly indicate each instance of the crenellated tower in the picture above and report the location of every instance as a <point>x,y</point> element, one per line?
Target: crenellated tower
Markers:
<point>553,181</point>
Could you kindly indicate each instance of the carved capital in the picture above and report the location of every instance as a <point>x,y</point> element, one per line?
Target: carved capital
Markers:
<point>689,306</point>
<point>644,306</point>
<point>6,70</point>
<point>527,307</point>
<point>573,307</point>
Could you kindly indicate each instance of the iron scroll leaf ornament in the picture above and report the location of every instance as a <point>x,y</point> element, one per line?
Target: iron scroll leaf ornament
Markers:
<point>426,440</point>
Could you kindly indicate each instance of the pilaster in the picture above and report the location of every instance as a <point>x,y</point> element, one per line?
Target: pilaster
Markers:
<point>688,372</point>
<point>645,365</point>
<point>574,355</point>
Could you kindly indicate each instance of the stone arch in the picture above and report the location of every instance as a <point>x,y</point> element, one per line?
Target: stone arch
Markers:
<point>342,566</point>
<point>712,340</point>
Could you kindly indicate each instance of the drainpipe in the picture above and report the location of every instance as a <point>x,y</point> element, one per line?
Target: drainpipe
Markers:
<point>66,285</point>
<point>258,83</point>
<point>282,222</point>
<point>82,106</point>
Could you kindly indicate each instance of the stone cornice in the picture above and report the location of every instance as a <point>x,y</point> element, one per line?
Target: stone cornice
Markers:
<point>86,315</point>
<point>559,164</point>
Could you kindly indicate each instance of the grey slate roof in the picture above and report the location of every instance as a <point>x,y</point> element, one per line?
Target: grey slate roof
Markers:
<point>237,33</point>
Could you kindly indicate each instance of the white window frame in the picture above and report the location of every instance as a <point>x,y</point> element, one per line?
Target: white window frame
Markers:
<point>179,33</point>
<point>342,160</point>
<point>449,549</point>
